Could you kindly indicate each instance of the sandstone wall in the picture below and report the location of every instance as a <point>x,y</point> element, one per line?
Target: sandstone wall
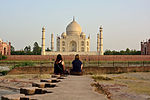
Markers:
<point>86,70</point>
<point>83,58</point>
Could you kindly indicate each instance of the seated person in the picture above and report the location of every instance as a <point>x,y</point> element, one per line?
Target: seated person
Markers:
<point>76,66</point>
<point>59,66</point>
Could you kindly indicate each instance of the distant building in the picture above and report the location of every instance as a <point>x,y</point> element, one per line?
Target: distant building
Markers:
<point>73,41</point>
<point>145,48</point>
<point>5,48</point>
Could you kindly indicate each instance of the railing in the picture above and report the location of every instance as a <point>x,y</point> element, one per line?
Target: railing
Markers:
<point>85,63</point>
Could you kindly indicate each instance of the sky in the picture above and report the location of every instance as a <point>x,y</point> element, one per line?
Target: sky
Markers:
<point>125,22</point>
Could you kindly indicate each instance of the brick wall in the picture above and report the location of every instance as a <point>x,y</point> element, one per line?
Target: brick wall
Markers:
<point>83,58</point>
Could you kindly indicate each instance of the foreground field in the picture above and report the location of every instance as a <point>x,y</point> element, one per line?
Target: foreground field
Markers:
<point>126,86</point>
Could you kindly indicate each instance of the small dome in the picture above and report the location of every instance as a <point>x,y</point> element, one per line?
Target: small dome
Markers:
<point>43,28</point>
<point>1,40</point>
<point>82,33</point>
<point>63,34</point>
<point>101,27</point>
<point>73,28</point>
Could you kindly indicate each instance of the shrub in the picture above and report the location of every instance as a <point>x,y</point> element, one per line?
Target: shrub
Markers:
<point>2,57</point>
<point>4,72</point>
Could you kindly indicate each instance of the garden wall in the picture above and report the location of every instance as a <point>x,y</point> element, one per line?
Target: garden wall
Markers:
<point>83,58</point>
<point>86,70</point>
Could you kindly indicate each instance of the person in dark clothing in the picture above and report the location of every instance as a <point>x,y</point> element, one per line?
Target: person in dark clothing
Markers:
<point>76,65</point>
<point>59,66</point>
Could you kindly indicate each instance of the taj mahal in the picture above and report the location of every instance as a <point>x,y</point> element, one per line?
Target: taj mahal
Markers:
<point>73,41</point>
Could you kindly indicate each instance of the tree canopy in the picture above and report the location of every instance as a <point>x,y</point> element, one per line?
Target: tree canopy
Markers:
<point>122,52</point>
<point>27,50</point>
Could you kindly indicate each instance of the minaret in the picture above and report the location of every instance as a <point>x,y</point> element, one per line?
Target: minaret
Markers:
<point>101,41</point>
<point>52,42</point>
<point>43,41</point>
<point>98,43</point>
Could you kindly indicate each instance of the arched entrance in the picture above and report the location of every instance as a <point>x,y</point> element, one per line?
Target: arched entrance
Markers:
<point>73,46</point>
<point>5,51</point>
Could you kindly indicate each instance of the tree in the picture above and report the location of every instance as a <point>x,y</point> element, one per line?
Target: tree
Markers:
<point>122,52</point>
<point>27,49</point>
<point>12,48</point>
<point>47,49</point>
<point>36,49</point>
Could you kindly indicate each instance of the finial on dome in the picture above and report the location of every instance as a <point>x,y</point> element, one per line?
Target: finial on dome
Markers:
<point>43,27</point>
<point>101,27</point>
<point>73,18</point>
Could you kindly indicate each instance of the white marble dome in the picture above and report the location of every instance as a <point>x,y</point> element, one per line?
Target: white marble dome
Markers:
<point>73,28</point>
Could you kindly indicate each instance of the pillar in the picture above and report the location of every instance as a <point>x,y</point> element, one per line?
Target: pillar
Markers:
<point>52,42</point>
<point>43,41</point>
<point>101,41</point>
<point>98,43</point>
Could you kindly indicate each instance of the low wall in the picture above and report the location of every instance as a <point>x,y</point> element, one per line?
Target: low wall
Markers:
<point>86,70</point>
<point>83,57</point>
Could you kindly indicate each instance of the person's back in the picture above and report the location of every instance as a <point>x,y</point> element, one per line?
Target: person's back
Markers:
<point>77,65</point>
<point>59,65</point>
<point>58,68</point>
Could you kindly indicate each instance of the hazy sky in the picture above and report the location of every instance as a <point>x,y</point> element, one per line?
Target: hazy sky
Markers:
<point>126,22</point>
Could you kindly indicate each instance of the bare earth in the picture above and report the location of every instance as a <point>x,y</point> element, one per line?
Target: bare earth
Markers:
<point>127,86</point>
<point>71,88</point>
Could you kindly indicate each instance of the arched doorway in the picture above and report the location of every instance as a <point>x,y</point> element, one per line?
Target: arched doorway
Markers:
<point>5,51</point>
<point>73,46</point>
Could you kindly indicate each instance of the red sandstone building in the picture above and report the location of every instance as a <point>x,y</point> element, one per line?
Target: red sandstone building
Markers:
<point>5,48</point>
<point>145,48</point>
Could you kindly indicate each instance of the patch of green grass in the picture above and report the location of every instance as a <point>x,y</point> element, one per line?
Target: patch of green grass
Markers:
<point>23,64</point>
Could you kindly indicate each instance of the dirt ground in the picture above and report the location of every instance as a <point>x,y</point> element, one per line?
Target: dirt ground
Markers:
<point>125,86</point>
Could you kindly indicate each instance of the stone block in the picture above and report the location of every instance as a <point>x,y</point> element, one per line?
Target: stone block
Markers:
<point>40,91</point>
<point>46,80</point>
<point>28,90</point>
<point>61,78</point>
<point>50,85</point>
<point>39,84</point>
<point>12,97</point>
<point>27,98</point>
<point>47,90</point>
<point>55,76</point>
<point>55,80</point>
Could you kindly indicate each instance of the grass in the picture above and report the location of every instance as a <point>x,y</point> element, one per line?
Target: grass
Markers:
<point>22,64</point>
<point>100,77</point>
<point>138,82</point>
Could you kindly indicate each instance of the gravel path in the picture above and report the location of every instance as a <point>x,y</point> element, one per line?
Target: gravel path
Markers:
<point>73,88</point>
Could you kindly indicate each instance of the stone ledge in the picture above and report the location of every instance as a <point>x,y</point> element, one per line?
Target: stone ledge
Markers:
<point>28,90</point>
<point>46,80</point>
<point>43,84</point>
<point>55,80</point>
<point>12,96</point>
<point>55,76</point>
<point>39,84</point>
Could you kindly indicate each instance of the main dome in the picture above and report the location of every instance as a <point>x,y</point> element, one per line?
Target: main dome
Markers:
<point>73,28</point>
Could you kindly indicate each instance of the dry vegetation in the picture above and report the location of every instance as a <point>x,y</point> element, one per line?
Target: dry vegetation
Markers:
<point>128,86</point>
